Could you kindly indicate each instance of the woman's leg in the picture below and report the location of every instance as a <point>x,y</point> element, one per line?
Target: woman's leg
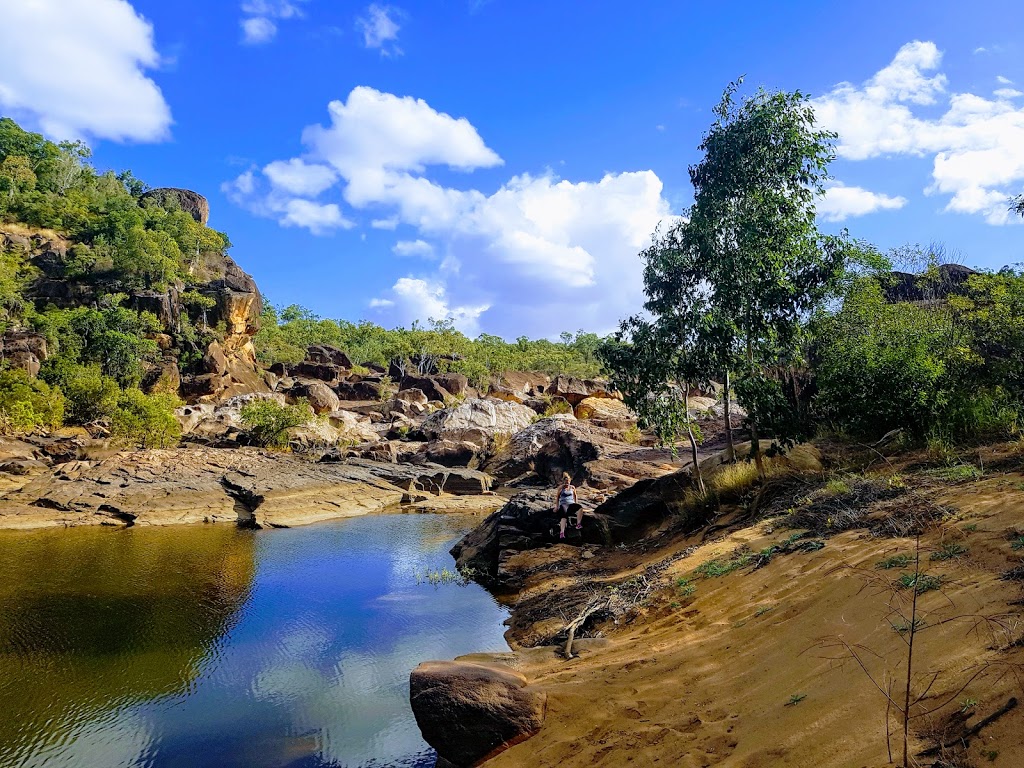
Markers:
<point>579,518</point>
<point>561,527</point>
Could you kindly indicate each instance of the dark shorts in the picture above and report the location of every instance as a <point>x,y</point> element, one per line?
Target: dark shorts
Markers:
<point>568,511</point>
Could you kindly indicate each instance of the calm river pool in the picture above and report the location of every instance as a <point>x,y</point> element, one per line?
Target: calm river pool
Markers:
<point>213,646</point>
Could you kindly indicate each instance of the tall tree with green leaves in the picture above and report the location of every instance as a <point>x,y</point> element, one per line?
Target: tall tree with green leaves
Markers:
<point>765,264</point>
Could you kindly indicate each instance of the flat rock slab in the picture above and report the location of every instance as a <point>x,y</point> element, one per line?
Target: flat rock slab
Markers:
<point>471,711</point>
<point>194,485</point>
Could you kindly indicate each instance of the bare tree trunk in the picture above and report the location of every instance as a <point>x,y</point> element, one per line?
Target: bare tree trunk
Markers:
<point>755,438</point>
<point>698,476</point>
<point>730,448</point>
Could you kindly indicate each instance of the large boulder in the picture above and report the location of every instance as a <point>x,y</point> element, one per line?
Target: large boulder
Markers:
<point>194,204</point>
<point>433,386</point>
<point>327,355</point>
<point>477,421</point>
<point>549,447</point>
<point>23,349</point>
<point>576,390</point>
<point>471,711</point>
<point>320,397</point>
<point>605,410</point>
<point>351,428</point>
<point>407,402</point>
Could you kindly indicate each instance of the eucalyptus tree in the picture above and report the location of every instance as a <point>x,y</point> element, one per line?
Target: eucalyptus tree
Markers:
<point>730,284</point>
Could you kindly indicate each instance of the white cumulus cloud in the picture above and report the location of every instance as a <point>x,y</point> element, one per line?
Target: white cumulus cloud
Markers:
<point>380,27</point>
<point>420,299</point>
<point>976,143</point>
<point>300,178</point>
<point>552,253</point>
<point>842,202</point>
<point>76,69</point>
<point>416,248</point>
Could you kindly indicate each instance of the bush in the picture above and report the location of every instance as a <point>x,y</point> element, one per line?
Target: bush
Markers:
<point>145,421</point>
<point>267,422</point>
<point>27,404</point>
<point>88,393</point>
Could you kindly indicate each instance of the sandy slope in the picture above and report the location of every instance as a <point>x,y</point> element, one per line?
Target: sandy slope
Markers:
<point>706,679</point>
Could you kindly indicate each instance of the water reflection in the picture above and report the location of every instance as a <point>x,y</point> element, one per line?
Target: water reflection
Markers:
<point>217,647</point>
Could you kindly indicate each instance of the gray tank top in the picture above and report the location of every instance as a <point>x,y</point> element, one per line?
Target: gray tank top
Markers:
<point>566,497</point>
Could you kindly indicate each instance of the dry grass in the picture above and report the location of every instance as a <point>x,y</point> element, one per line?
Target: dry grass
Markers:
<point>15,228</point>
<point>500,442</point>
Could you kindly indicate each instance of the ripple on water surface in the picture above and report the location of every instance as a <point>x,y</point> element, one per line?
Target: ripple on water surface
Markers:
<point>213,646</point>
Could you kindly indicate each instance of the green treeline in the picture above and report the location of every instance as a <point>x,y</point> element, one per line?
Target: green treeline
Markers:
<point>811,332</point>
<point>117,243</point>
<point>285,334</point>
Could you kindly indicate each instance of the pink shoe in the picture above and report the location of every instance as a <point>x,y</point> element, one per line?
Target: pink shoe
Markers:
<point>561,534</point>
<point>579,526</point>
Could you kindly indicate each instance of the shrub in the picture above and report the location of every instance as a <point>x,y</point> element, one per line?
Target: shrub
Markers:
<point>145,421</point>
<point>27,404</point>
<point>89,394</point>
<point>267,421</point>
<point>556,407</point>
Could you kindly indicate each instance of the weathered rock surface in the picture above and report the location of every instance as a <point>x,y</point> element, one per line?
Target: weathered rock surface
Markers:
<point>23,349</point>
<point>576,390</point>
<point>200,484</point>
<point>194,204</point>
<point>528,521</point>
<point>477,421</point>
<point>321,398</point>
<point>471,711</point>
<point>605,410</point>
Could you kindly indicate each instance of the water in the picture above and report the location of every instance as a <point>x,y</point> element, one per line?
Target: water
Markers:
<point>213,646</point>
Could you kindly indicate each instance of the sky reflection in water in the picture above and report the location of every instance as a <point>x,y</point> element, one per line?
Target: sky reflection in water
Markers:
<point>218,647</point>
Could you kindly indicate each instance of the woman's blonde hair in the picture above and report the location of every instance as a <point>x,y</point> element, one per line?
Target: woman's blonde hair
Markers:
<point>566,480</point>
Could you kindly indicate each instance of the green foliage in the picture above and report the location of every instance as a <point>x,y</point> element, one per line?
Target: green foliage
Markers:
<point>145,421</point>
<point>729,284</point>
<point>951,551</point>
<point>90,395</point>
<point>896,561</point>
<point>52,186</point>
<point>920,582</point>
<point>27,404</point>
<point>286,332</point>
<point>950,369</point>
<point>267,422</point>
<point>112,338</point>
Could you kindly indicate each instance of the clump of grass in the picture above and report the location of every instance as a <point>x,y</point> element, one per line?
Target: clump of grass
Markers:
<point>906,626</point>
<point>837,487</point>
<point>952,551</point>
<point>956,473</point>
<point>1017,543</point>
<point>633,435</point>
<point>920,582</point>
<point>438,576</point>
<point>556,407</point>
<point>896,561</point>
<point>763,610</point>
<point>685,587</point>
<point>715,568</point>
<point>796,698</point>
<point>500,442</point>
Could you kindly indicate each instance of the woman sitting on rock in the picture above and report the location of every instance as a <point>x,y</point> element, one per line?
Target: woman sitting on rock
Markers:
<point>566,504</point>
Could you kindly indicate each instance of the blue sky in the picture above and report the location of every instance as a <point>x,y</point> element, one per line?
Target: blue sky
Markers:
<point>502,162</point>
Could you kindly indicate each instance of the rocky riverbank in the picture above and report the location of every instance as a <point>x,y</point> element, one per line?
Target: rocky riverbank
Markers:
<point>713,637</point>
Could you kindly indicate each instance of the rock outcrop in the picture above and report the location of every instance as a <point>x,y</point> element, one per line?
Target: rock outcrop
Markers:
<point>23,349</point>
<point>477,422</point>
<point>199,484</point>
<point>192,203</point>
<point>471,711</point>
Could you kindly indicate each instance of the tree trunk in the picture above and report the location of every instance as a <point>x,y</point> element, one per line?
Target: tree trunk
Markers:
<point>693,442</point>
<point>730,448</point>
<point>755,439</point>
